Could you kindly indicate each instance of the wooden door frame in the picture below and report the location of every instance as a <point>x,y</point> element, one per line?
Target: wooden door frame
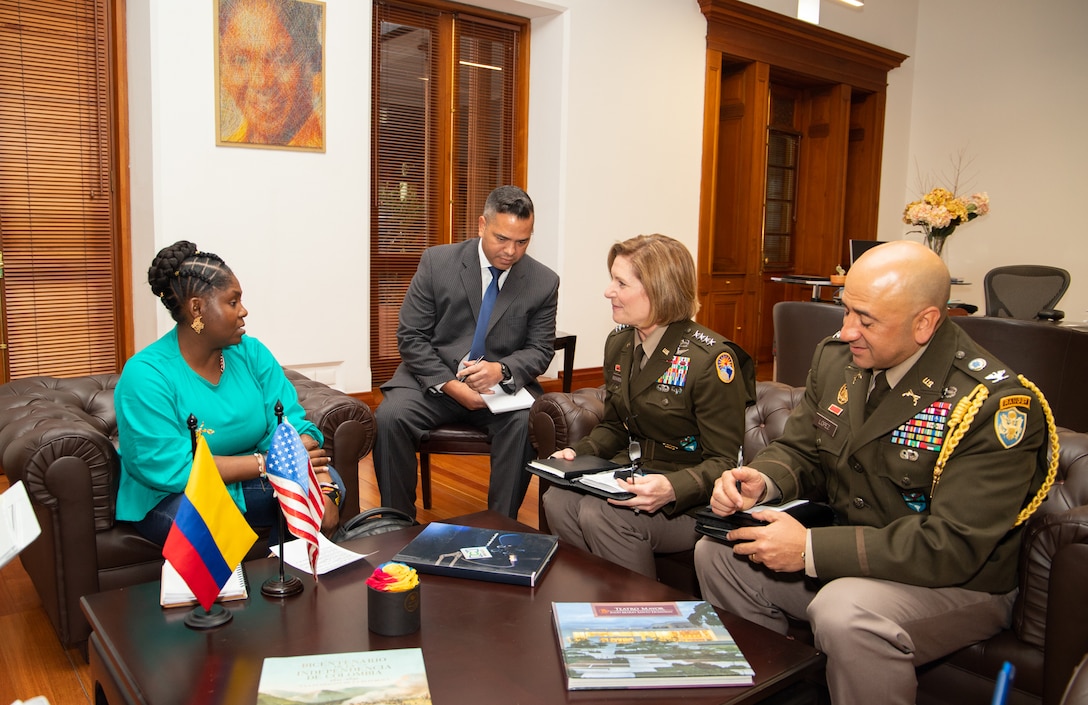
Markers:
<point>857,71</point>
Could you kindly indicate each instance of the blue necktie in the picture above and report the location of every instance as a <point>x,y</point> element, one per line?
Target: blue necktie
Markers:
<point>492,293</point>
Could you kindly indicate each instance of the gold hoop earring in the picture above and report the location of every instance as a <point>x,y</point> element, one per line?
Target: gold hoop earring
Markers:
<point>197,324</point>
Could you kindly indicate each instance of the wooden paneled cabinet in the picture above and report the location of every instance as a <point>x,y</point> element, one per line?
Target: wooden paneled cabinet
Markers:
<point>825,93</point>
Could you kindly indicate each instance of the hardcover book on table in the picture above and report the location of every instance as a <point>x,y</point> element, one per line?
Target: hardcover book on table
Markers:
<point>647,645</point>
<point>391,676</point>
<point>483,554</point>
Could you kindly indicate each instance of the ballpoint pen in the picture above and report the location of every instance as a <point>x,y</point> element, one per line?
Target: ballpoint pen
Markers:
<point>470,363</point>
<point>1004,684</point>
<point>740,463</point>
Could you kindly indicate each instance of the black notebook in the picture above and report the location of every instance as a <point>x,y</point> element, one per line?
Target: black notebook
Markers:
<point>581,465</point>
<point>598,483</point>
<point>808,513</point>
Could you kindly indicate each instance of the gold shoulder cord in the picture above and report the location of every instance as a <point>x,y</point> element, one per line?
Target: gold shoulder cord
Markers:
<point>960,421</point>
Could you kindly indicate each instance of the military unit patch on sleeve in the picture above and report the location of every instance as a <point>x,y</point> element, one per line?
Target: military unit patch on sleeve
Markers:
<point>726,367</point>
<point>1011,419</point>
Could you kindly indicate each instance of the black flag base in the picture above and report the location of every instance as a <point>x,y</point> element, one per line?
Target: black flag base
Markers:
<point>283,586</point>
<point>200,618</point>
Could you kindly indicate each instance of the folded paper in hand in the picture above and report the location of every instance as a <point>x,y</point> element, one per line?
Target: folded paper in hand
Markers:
<point>604,481</point>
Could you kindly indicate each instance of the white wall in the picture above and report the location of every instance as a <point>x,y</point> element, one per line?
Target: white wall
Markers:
<point>616,96</point>
<point>1004,80</point>
<point>292,225</point>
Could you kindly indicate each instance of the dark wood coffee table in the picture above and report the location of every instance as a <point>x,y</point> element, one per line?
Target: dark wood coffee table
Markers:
<point>482,642</point>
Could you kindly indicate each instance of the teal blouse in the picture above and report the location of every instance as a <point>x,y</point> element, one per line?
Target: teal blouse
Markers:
<point>155,396</point>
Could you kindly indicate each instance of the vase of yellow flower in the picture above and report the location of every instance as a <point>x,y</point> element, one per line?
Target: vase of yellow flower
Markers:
<point>940,212</point>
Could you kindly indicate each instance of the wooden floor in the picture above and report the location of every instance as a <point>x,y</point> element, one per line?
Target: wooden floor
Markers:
<point>33,663</point>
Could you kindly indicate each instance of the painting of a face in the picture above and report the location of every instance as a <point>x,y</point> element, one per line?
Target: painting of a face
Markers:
<point>270,60</point>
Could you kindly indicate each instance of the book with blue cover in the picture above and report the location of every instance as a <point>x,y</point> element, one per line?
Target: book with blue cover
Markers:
<point>515,557</point>
<point>647,645</point>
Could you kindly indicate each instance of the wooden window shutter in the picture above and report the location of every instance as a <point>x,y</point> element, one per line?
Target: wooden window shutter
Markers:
<point>57,206</point>
<point>450,109</point>
<point>486,119</point>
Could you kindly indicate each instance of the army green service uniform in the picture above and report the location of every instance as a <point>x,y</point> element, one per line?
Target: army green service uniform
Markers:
<point>686,410</point>
<point>914,568</point>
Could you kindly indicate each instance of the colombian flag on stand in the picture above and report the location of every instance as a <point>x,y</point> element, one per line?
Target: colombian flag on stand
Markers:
<point>210,536</point>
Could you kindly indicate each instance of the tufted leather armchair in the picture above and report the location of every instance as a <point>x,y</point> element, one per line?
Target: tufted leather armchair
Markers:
<point>59,436</point>
<point>1049,634</point>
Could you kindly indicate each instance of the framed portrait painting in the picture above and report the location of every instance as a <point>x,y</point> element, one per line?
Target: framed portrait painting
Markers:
<point>269,74</point>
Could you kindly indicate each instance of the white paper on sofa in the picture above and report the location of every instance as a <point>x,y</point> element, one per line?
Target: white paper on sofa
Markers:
<point>18,525</point>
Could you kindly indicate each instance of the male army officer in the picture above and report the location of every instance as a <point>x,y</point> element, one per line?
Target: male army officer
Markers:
<point>928,487</point>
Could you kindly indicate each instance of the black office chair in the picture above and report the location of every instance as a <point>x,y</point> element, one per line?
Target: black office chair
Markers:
<point>799,326</point>
<point>1025,291</point>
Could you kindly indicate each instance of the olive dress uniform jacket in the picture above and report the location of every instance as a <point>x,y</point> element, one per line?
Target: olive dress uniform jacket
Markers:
<point>685,407</point>
<point>878,472</point>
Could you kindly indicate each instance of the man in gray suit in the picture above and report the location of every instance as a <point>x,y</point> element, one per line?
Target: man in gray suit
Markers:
<point>444,372</point>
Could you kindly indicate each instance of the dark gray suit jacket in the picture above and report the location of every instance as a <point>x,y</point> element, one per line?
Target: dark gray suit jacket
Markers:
<point>438,318</point>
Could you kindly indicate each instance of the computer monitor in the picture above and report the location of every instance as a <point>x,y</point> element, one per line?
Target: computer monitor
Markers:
<point>859,247</point>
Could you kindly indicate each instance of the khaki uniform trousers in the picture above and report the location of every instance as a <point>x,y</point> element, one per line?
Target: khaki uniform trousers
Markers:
<point>617,533</point>
<point>874,632</point>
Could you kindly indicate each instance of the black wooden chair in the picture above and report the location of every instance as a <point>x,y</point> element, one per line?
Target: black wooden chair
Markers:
<point>463,439</point>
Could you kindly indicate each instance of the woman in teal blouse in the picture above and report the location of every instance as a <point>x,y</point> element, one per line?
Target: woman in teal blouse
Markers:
<point>208,367</point>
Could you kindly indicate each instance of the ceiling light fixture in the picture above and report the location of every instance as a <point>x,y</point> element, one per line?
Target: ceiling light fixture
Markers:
<point>809,10</point>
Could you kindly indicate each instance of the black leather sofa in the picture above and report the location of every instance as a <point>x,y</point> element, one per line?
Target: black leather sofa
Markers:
<point>59,437</point>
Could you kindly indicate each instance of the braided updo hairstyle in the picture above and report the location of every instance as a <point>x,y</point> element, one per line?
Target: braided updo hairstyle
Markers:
<point>181,271</point>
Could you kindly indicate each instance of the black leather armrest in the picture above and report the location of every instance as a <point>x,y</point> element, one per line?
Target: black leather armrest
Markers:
<point>1046,536</point>
<point>45,432</point>
<point>1067,619</point>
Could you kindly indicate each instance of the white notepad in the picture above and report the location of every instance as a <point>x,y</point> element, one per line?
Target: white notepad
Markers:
<point>174,592</point>
<point>500,402</point>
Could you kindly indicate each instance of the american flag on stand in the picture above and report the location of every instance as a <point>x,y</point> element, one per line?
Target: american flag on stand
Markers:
<point>292,476</point>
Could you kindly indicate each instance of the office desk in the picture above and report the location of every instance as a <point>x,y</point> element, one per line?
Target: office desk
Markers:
<point>483,643</point>
<point>817,283</point>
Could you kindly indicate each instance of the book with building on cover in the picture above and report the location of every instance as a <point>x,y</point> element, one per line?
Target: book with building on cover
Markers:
<point>390,676</point>
<point>647,645</point>
<point>174,592</point>
<point>483,554</point>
